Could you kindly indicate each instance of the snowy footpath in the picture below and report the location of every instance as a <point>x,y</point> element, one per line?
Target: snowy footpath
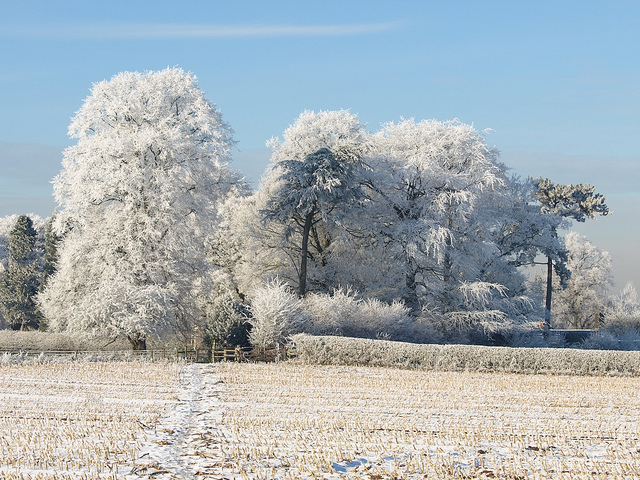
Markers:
<point>184,444</point>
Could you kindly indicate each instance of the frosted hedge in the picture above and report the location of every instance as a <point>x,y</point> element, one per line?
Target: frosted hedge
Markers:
<point>327,350</point>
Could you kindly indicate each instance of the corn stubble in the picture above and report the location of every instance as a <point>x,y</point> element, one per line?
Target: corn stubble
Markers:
<point>293,421</point>
<point>79,420</point>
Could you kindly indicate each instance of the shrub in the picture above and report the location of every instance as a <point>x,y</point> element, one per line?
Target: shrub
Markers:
<point>275,314</point>
<point>343,313</point>
<point>613,339</point>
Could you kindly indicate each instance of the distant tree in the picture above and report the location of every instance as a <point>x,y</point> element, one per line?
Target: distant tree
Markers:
<point>583,300</point>
<point>19,282</point>
<point>577,202</point>
<point>623,310</point>
<point>314,179</point>
<point>140,193</point>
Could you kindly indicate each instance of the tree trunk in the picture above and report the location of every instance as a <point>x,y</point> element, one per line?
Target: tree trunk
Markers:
<point>138,342</point>
<point>411,296</point>
<point>547,305</point>
<point>302,284</point>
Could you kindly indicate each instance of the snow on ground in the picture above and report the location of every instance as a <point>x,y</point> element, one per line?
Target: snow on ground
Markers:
<point>185,442</point>
<point>79,420</point>
<point>288,421</point>
<point>283,421</point>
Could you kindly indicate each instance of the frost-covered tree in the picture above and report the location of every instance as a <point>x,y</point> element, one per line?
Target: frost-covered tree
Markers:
<point>434,184</point>
<point>577,202</point>
<point>253,251</point>
<point>8,223</point>
<point>139,195</point>
<point>583,300</point>
<point>522,231</point>
<point>311,184</point>
<point>623,310</point>
<point>20,280</point>
<point>276,314</point>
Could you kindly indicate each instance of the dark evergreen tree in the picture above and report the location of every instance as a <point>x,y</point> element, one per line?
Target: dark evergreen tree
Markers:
<point>226,324</point>
<point>50,260</point>
<point>19,283</point>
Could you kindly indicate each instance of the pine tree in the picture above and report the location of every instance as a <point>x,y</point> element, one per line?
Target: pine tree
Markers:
<point>19,283</point>
<point>577,202</point>
<point>314,172</point>
<point>50,260</point>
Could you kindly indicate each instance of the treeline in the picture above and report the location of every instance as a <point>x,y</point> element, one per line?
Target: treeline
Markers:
<point>416,231</point>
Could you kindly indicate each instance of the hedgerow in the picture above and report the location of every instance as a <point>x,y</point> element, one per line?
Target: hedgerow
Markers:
<point>326,350</point>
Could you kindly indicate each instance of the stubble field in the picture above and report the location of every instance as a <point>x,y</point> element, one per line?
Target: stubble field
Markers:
<point>286,421</point>
<point>79,420</point>
<point>289,421</point>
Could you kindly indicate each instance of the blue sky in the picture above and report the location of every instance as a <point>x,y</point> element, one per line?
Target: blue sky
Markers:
<point>558,82</point>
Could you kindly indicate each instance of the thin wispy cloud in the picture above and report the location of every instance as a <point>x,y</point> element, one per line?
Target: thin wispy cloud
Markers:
<point>190,31</point>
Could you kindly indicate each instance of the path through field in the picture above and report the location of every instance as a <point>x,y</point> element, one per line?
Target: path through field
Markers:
<point>284,421</point>
<point>186,442</point>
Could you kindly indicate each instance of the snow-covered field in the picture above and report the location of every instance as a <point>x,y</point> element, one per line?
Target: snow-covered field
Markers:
<point>287,421</point>
<point>80,420</point>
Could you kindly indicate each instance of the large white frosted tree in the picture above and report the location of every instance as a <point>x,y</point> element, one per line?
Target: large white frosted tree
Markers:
<point>300,214</point>
<point>435,186</point>
<point>138,196</point>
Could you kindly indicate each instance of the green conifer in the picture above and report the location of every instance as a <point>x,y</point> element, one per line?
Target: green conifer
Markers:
<point>19,283</point>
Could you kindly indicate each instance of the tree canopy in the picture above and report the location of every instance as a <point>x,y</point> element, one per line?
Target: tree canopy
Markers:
<point>156,235</point>
<point>138,195</point>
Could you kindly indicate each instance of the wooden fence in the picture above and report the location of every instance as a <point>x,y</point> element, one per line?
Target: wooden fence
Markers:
<point>251,354</point>
<point>177,354</point>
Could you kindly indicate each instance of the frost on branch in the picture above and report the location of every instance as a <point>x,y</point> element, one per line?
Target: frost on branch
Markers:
<point>343,313</point>
<point>276,314</point>
<point>575,201</point>
<point>439,184</point>
<point>140,192</point>
<point>314,176</point>
<point>581,303</point>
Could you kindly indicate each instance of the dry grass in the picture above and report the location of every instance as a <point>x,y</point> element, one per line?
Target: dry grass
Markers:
<point>291,421</point>
<point>78,420</point>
